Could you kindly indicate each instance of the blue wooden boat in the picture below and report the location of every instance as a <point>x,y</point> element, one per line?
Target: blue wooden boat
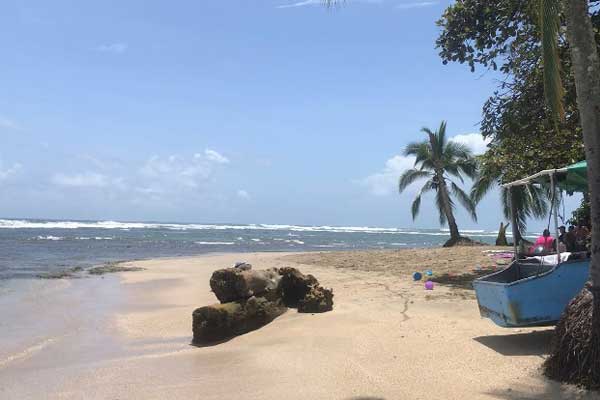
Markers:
<point>533,291</point>
<point>529,293</point>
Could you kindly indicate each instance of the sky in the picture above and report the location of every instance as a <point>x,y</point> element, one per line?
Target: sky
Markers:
<point>245,111</point>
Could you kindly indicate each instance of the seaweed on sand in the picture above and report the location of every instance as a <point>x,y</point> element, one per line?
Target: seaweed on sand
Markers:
<point>61,274</point>
<point>111,268</point>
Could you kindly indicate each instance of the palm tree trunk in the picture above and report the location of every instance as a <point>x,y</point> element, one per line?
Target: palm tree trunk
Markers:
<point>575,357</point>
<point>586,65</point>
<point>513,217</point>
<point>454,234</point>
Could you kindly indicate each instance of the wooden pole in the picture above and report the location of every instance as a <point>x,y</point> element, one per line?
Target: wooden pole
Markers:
<point>555,214</point>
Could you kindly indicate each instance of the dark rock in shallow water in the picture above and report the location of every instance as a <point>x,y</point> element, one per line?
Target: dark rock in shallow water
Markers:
<point>294,285</point>
<point>317,300</point>
<point>224,321</point>
<point>233,284</point>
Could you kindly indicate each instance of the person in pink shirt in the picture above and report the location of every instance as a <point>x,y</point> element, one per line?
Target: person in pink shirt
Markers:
<point>545,240</point>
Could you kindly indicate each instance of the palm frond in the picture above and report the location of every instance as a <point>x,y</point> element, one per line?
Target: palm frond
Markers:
<point>441,137</point>
<point>409,176</point>
<point>469,168</point>
<point>415,207</point>
<point>528,201</point>
<point>416,204</point>
<point>537,201</point>
<point>454,150</point>
<point>433,142</point>
<point>420,150</point>
<point>454,170</point>
<point>464,200</point>
<point>427,165</point>
<point>549,20</point>
<point>482,185</point>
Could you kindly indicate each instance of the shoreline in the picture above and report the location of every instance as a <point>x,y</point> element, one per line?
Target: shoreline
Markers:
<point>127,335</point>
<point>84,271</point>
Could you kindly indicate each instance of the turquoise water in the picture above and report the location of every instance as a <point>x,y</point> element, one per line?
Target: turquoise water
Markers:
<point>31,247</point>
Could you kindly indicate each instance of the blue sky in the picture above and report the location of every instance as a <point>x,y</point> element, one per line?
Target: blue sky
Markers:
<point>247,111</point>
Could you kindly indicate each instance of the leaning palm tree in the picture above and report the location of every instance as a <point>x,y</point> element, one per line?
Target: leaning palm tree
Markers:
<point>518,204</point>
<point>575,356</point>
<point>437,160</point>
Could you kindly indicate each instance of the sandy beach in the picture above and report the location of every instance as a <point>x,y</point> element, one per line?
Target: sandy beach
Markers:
<point>127,335</point>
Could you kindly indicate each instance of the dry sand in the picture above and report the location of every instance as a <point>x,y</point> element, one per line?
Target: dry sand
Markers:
<point>126,336</point>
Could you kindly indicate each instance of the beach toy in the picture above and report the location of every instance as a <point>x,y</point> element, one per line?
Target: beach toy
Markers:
<point>429,272</point>
<point>429,285</point>
<point>417,276</point>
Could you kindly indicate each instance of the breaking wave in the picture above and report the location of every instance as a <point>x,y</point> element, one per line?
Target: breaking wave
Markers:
<point>39,224</point>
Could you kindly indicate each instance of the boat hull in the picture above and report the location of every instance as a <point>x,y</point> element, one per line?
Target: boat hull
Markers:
<point>517,297</point>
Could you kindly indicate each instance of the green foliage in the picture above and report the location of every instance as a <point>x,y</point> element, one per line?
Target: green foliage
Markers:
<point>437,160</point>
<point>525,138</point>
<point>529,202</point>
<point>549,23</point>
<point>581,214</point>
<point>485,32</point>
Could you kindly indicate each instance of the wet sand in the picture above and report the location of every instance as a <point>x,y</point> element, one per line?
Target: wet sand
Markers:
<point>127,335</point>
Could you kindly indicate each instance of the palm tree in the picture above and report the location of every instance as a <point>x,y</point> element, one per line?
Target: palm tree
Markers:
<point>576,353</point>
<point>436,160</point>
<point>527,201</point>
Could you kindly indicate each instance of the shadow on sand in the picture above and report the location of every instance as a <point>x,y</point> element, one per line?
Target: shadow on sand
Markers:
<point>548,391</point>
<point>462,281</point>
<point>365,398</point>
<point>535,343</point>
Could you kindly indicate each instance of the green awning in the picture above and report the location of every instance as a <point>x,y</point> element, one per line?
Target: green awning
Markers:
<point>575,178</point>
<point>572,178</point>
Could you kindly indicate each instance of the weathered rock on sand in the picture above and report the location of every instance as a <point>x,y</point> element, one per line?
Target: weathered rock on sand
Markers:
<point>233,284</point>
<point>251,299</point>
<point>294,285</point>
<point>223,321</point>
<point>317,300</point>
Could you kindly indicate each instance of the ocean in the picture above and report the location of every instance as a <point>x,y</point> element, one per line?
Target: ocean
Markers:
<point>30,248</point>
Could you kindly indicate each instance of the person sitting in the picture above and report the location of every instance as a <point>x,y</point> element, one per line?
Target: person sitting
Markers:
<point>570,239</point>
<point>562,232</point>
<point>546,241</point>
<point>581,235</point>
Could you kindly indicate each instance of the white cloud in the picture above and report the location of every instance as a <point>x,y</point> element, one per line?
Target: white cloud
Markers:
<point>7,173</point>
<point>8,123</point>
<point>418,4</point>
<point>385,182</point>
<point>242,194</point>
<point>304,3</point>
<point>81,180</point>
<point>474,141</point>
<point>301,4</point>
<point>175,170</point>
<point>403,6</point>
<point>214,156</point>
<point>115,48</point>
<point>161,180</point>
